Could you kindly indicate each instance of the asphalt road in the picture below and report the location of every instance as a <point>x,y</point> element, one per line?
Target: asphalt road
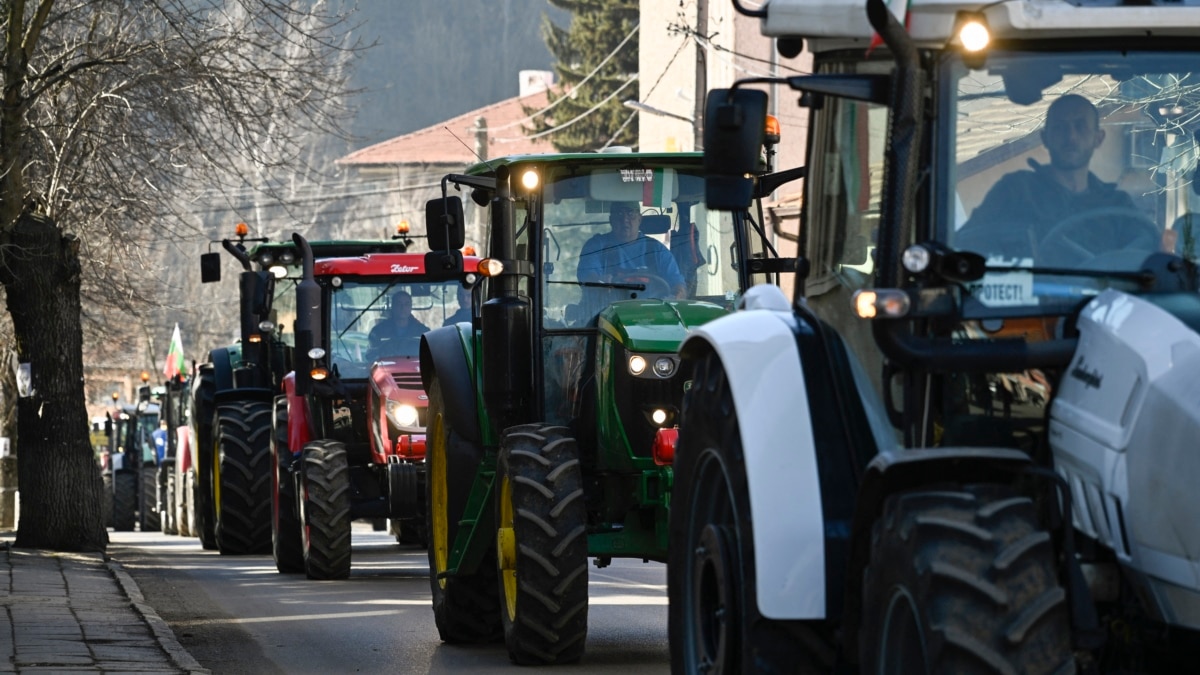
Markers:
<point>239,615</point>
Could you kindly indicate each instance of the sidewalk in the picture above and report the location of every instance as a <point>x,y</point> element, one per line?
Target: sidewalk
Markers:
<point>79,613</point>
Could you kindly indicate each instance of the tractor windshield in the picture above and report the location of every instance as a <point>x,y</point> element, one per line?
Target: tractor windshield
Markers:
<point>377,319</point>
<point>1068,170</point>
<point>637,233</point>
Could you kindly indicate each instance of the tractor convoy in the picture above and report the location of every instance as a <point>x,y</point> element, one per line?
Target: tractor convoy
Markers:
<point>966,445</point>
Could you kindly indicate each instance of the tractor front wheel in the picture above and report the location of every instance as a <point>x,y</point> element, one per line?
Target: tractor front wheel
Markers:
<point>125,498</point>
<point>165,478</point>
<point>465,606</point>
<point>202,402</point>
<point>287,544</point>
<point>713,619</point>
<point>962,580</point>
<point>325,510</point>
<point>243,500</point>
<point>541,545</point>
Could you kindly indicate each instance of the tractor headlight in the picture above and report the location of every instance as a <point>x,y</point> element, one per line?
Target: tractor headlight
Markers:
<point>637,364</point>
<point>664,366</point>
<point>402,415</point>
<point>316,353</point>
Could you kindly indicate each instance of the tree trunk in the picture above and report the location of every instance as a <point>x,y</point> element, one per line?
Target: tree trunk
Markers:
<point>57,474</point>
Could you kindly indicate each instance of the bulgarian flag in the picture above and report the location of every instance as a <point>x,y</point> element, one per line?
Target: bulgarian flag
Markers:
<point>658,187</point>
<point>175,365</point>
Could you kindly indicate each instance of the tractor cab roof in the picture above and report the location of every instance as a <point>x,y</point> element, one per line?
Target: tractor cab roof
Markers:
<point>931,23</point>
<point>285,253</point>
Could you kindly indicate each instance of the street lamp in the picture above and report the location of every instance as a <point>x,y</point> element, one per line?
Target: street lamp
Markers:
<point>642,107</point>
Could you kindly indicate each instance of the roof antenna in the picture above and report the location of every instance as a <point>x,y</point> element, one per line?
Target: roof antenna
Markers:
<point>481,134</point>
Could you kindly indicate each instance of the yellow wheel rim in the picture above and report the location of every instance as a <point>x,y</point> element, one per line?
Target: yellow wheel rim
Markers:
<point>506,548</point>
<point>436,458</point>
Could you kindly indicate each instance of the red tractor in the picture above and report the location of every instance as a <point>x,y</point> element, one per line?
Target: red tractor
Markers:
<point>349,438</point>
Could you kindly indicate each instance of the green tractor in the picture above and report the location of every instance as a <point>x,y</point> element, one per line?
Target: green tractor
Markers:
<point>552,415</point>
<point>232,399</point>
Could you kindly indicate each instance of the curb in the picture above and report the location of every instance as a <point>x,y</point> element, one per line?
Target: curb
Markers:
<point>162,632</point>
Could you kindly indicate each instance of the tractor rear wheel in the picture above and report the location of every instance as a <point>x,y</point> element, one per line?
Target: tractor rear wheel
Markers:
<point>165,477</point>
<point>242,430</point>
<point>287,545</point>
<point>325,510</point>
<point>713,619</point>
<point>541,545</point>
<point>148,519</point>
<point>465,605</point>
<point>962,580</point>
<point>201,416</point>
<point>124,498</point>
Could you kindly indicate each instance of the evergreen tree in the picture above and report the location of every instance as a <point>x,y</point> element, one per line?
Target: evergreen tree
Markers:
<point>596,28</point>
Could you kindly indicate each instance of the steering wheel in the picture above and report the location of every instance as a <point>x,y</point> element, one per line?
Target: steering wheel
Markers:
<point>656,286</point>
<point>1081,237</point>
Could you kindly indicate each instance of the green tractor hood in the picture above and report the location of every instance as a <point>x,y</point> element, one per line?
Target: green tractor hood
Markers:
<point>655,325</point>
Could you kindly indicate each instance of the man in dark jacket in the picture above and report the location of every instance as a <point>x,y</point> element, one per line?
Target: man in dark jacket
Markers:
<point>1024,206</point>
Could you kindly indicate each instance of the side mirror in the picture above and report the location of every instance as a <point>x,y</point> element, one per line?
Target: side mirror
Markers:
<point>735,126</point>
<point>210,267</point>
<point>444,224</point>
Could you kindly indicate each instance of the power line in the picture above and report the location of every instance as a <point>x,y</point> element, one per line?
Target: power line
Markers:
<point>568,123</point>
<point>577,86</point>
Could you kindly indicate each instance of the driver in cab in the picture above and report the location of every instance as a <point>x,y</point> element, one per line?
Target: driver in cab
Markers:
<point>1024,206</point>
<point>397,333</point>
<point>625,252</point>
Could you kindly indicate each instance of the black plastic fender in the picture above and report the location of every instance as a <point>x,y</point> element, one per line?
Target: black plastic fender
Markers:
<point>222,367</point>
<point>442,353</point>
<point>892,471</point>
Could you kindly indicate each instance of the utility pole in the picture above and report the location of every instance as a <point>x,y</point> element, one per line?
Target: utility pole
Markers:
<point>701,74</point>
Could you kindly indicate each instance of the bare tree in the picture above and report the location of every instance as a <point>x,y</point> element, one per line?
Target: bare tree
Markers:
<point>112,113</point>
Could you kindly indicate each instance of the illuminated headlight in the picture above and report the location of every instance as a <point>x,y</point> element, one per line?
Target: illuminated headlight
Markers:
<point>529,179</point>
<point>402,414</point>
<point>659,416</point>
<point>664,366</point>
<point>637,364</point>
<point>916,258</point>
<point>973,35</point>
<point>255,338</point>
<point>319,373</point>
<point>278,271</point>
<point>266,326</point>
<point>316,353</point>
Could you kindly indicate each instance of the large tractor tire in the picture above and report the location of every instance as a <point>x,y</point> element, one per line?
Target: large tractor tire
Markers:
<point>242,430</point>
<point>325,510</point>
<point>287,543</point>
<point>541,545</point>
<point>183,504</point>
<point>125,498</point>
<point>714,624</point>
<point>106,498</point>
<point>148,520</point>
<point>466,607</point>
<point>202,408</point>
<point>962,580</point>
<point>165,478</point>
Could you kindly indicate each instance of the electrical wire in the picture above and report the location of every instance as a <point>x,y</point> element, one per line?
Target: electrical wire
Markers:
<point>577,85</point>
<point>570,122</point>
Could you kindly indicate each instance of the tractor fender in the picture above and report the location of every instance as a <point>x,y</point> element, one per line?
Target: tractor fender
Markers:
<point>222,360</point>
<point>299,431</point>
<point>446,352</point>
<point>893,471</point>
<point>761,359</point>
